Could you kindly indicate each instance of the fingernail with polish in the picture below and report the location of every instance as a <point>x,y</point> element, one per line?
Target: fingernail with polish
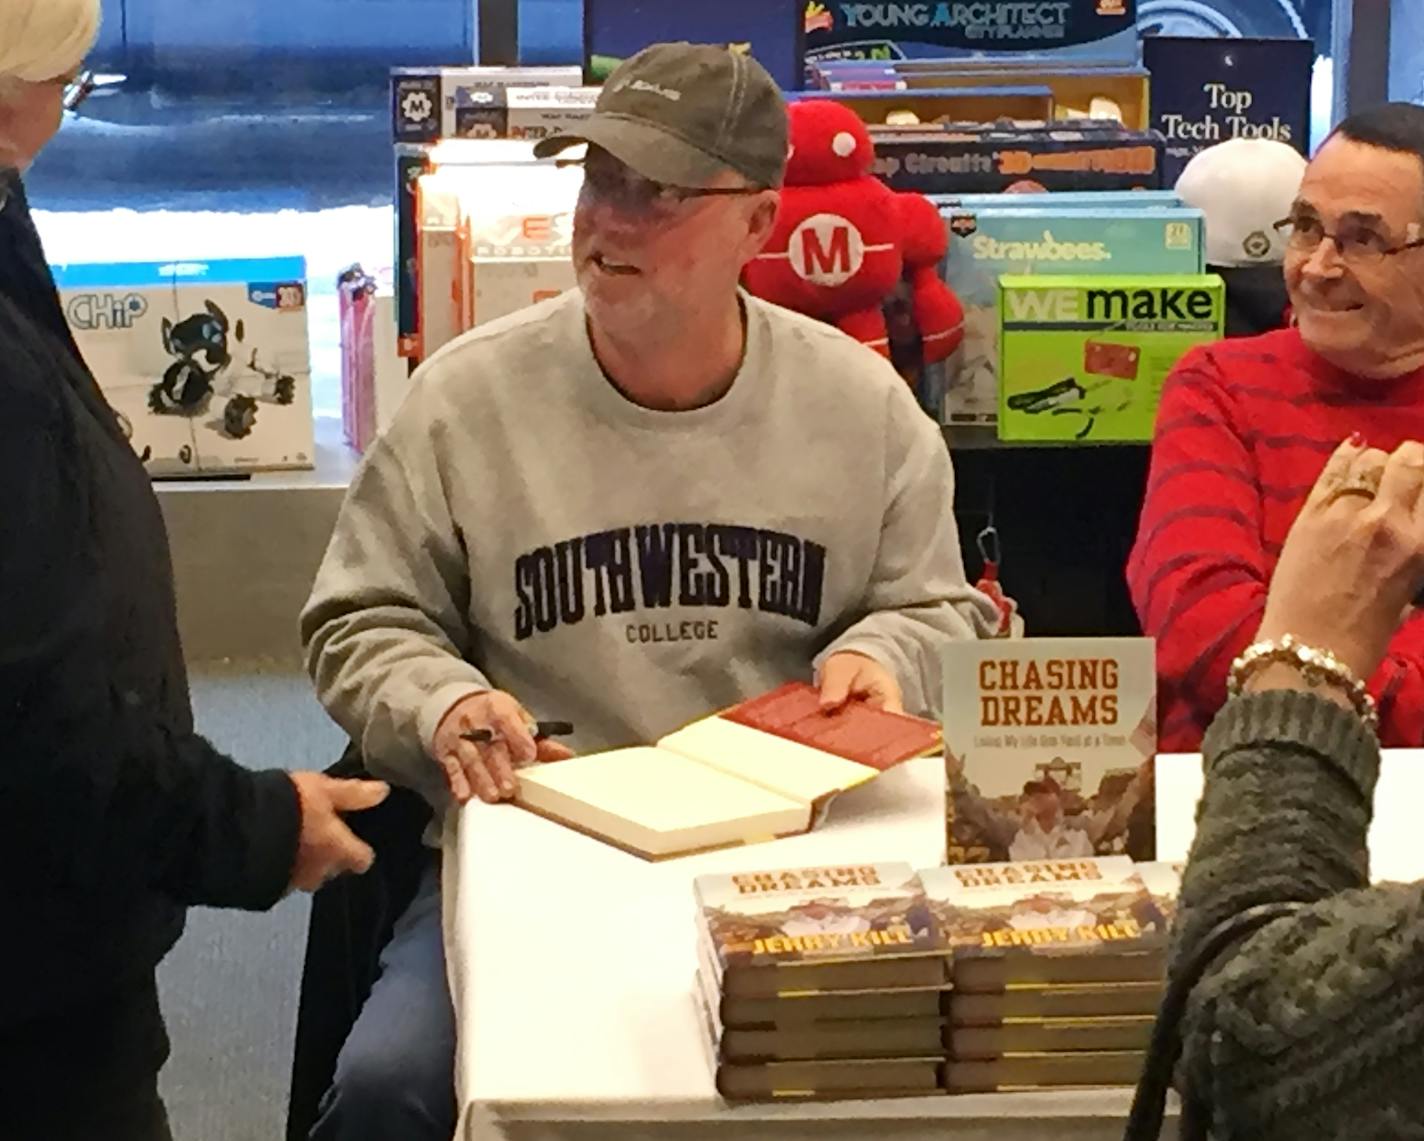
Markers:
<point>1357,439</point>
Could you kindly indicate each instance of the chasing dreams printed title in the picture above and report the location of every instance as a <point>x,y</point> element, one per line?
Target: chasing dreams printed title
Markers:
<point>1060,691</point>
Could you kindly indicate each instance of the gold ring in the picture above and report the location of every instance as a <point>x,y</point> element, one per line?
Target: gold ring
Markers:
<point>1365,483</point>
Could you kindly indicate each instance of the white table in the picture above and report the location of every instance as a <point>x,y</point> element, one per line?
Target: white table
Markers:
<point>1395,851</point>
<point>572,971</point>
<point>572,965</point>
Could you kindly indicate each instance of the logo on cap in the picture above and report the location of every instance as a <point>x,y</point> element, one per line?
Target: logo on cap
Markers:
<point>651,89</point>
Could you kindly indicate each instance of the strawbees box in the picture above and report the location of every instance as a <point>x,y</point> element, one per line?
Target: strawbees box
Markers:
<point>1084,358</point>
<point>990,240</point>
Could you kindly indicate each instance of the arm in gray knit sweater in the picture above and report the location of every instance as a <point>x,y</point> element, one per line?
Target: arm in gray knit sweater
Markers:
<point>1314,1026</point>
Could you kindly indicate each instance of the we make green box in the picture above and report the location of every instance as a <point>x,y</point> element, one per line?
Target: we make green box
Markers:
<point>1083,358</point>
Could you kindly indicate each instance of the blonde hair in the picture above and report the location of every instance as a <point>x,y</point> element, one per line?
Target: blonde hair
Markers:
<point>44,39</point>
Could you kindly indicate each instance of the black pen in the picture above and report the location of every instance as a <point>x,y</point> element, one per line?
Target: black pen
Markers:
<point>540,729</point>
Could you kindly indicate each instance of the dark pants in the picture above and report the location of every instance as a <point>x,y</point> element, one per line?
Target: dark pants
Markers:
<point>88,1072</point>
<point>395,1077</point>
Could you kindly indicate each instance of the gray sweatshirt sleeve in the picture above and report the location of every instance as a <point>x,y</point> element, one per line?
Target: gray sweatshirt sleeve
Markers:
<point>385,630</point>
<point>917,598</point>
<point>1314,1026</point>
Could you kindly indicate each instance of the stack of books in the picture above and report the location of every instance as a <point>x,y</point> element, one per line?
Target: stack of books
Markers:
<point>1058,967</point>
<point>822,982</point>
<point>878,981</point>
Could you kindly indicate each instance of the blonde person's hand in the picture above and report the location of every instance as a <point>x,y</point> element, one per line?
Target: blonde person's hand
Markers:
<point>849,676</point>
<point>1354,558</point>
<point>486,769</point>
<point>326,847</point>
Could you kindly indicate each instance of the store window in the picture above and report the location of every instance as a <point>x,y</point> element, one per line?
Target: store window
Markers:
<point>261,128</point>
<point>250,128</point>
<point>1406,51</point>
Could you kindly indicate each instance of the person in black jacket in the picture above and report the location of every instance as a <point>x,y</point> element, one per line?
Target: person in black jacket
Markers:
<point>114,814</point>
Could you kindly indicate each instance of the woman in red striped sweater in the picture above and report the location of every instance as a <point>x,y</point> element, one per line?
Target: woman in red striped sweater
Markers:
<point>1246,425</point>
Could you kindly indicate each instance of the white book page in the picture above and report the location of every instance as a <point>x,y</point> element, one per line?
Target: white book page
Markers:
<point>656,801</point>
<point>783,766</point>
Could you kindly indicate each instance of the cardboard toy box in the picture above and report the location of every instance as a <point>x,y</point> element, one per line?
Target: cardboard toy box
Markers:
<point>1084,358</point>
<point>206,363</point>
<point>517,251</point>
<point>496,162</point>
<point>427,104</point>
<point>993,240</point>
<point>1206,91</point>
<point>1132,199</point>
<point>970,104</point>
<point>492,240</point>
<point>974,158</point>
<point>990,31</point>
<point>524,112</point>
<point>374,378</point>
<point>1076,91</point>
<point>770,30</point>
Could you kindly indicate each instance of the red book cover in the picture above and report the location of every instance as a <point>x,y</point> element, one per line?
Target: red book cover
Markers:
<point>855,732</point>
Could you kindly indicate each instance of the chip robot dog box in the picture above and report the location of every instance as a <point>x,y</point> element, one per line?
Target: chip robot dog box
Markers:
<point>990,240</point>
<point>207,364</point>
<point>1084,358</point>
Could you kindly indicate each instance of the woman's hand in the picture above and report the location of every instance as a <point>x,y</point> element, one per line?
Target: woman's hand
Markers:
<point>1354,558</point>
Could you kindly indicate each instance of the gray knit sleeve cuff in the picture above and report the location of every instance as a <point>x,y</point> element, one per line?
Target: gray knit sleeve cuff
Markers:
<point>1296,719</point>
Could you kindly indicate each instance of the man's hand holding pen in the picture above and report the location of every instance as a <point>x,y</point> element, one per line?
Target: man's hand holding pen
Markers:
<point>483,738</point>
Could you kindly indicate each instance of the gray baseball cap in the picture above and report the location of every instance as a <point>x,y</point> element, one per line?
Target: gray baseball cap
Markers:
<point>684,113</point>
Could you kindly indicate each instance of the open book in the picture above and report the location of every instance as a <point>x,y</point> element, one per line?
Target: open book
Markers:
<point>762,769</point>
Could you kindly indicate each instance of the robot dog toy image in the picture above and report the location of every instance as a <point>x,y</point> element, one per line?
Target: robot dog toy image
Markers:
<point>201,344</point>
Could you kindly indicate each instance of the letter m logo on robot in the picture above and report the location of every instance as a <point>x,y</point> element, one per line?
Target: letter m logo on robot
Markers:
<point>826,250</point>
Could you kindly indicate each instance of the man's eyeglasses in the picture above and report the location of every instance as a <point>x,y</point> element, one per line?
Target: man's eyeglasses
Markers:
<point>1357,242</point>
<point>612,182</point>
<point>78,89</point>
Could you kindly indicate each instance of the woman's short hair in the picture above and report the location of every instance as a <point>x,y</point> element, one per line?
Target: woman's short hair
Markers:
<point>44,39</point>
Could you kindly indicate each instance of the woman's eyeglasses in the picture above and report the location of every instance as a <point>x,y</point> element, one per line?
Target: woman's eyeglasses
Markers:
<point>78,89</point>
<point>1358,243</point>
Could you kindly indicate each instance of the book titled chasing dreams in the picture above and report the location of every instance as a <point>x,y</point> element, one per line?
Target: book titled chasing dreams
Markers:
<point>1049,921</point>
<point>766,768</point>
<point>826,928</point>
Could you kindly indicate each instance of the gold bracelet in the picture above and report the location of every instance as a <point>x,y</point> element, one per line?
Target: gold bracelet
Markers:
<point>1316,666</point>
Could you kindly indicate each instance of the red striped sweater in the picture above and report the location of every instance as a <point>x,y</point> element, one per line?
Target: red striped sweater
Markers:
<point>1244,428</point>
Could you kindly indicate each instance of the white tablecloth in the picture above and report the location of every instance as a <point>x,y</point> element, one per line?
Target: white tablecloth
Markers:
<point>571,966</point>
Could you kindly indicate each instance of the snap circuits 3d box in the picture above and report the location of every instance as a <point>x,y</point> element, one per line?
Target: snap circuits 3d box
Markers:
<point>207,364</point>
<point>1084,358</point>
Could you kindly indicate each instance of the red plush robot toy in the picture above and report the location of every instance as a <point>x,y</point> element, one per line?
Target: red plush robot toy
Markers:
<point>843,241</point>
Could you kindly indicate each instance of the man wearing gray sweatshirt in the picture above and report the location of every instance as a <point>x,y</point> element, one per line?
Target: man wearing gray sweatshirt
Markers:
<point>646,499</point>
